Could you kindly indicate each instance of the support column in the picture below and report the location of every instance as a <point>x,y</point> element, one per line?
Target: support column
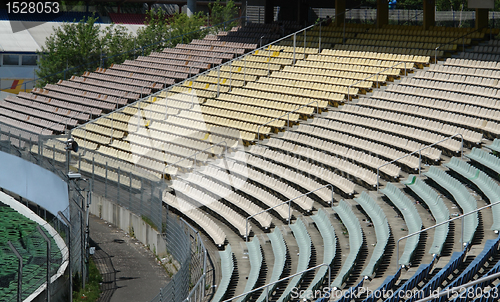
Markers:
<point>429,13</point>
<point>191,7</point>
<point>269,12</point>
<point>382,13</point>
<point>339,12</point>
<point>481,17</point>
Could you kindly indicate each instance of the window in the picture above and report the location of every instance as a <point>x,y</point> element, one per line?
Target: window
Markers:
<point>29,60</point>
<point>10,59</point>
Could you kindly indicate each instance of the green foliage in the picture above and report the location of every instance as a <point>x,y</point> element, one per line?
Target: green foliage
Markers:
<point>69,46</point>
<point>147,220</point>
<point>78,46</point>
<point>221,14</point>
<point>92,290</point>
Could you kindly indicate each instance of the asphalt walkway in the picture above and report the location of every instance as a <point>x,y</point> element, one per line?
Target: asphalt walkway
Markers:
<point>136,273</point>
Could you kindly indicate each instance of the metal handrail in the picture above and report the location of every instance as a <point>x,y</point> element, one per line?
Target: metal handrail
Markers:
<point>376,74</point>
<point>420,155</point>
<point>289,202</point>
<point>288,116</point>
<point>281,280</point>
<point>441,223</point>
<point>201,151</point>
<point>461,37</point>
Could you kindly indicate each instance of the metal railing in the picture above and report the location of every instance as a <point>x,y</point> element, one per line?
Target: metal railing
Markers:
<point>289,202</point>
<point>288,116</point>
<point>441,223</point>
<point>459,288</point>
<point>376,74</point>
<point>461,37</point>
<point>281,280</point>
<point>420,155</point>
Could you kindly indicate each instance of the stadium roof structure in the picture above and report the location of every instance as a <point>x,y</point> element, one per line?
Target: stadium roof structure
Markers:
<point>27,37</point>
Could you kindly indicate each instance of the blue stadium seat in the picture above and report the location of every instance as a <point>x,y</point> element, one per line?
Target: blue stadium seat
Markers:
<point>422,272</point>
<point>385,287</point>
<point>490,248</point>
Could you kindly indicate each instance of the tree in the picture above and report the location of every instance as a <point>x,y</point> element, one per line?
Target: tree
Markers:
<point>77,47</point>
<point>167,31</point>
<point>69,46</point>
<point>221,14</point>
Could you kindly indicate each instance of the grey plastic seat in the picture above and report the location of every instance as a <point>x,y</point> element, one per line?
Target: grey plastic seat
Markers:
<point>485,183</point>
<point>305,244</point>
<point>227,268</point>
<point>411,218</point>
<point>437,208</point>
<point>461,195</point>
<point>279,251</point>
<point>351,222</point>
<point>255,256</point>
<point>382,231</point>
<point>330,244</point>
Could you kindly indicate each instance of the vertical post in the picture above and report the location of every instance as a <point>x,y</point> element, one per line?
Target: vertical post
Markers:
<point>218,80</point>
<point>106,180</point>
<point>305,32</point>
<point>462,238</point>
<point>319,43</point>
<point>66,221</point>
<point>118,187</point>
<point>419,162</point>
<point>47,240</point>
<point>268,61</point>
<point>130,190</point>
<point>294,45</point>
<point>20,272</point>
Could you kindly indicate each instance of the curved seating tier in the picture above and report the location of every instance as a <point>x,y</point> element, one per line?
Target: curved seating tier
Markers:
<point>280,252</point>
<point>411,218</point>
<point>437,208</point>
<point>356,239</point>
<point>466,201</point>
<point>485,183</point>
<point>227,267</point>
<point>330,247</point>
<point>485,158</point>
<point>456,260</point>
<point>420,275</point>
<point>382,231</point>
<point>199,217</point>
<point>490,249</point>
<point>255,256</point>
<point>305,245</point>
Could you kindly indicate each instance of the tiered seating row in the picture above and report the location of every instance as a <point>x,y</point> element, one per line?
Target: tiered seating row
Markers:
<point>227,266</point>
<point>356,239</point>
<point>485,183</point>
<point>461,195</point>
<point>280,252</point>
<point>382,231</point>
<point>437,207</point>
<point>411,218</point>
<point>305,245</point>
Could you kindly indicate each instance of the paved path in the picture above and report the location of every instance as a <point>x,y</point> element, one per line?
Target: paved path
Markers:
<point>138,277</point>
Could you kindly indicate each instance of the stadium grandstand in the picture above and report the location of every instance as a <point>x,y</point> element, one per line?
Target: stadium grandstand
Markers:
<point>335,161</point>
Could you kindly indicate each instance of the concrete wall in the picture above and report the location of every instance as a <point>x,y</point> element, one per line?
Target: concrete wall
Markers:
<point>126,220</point>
